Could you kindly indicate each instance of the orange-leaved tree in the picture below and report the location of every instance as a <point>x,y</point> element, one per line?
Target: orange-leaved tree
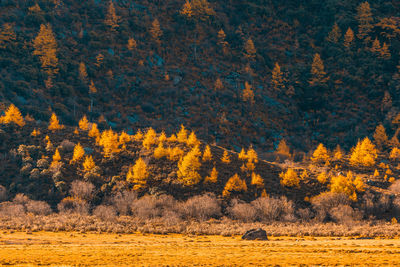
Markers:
<point>138,174</point>
<point>189,166</point>
<point>12,115</point>
<point>234,185</point>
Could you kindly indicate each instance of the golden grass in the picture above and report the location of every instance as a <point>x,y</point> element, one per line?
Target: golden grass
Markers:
<point>72,248</point>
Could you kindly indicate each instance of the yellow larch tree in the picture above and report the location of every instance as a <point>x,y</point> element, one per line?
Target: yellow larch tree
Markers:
<point>79,152</point>
<point>84,124</point>
<point>207,156</point>
<point>364,154</point>
<point>132,44</point>
<point>257,180</point>
<point>123,139</point>
<point>277,79</point>
<point>226,158</point>
<point>138,136</point>
<point>247,93</point>
<point>252,159</point>
<point>218,85</point>
<point>318,74</point>
<point>35,132</point>
<point>349,185</point>
<point>56,156</point>
<point>94,132</point>
<point>82,71</point>
<point>7,35</point>
<point>250,49</point>
<point>320,154</point>
<point>222,42</point>
<point>385,52</point>
<point>111,19</point>
<point>54,123</point>
<point>289,178</point>
<point>192,140</point>
<point>234,184</point>
<point>380,137</point>
<point>213,177</point>
<point>110,143</point>
<point>365,20</point>
<point>335,34</point>
<point>45,47</point>
<point>376,46</point>
<point>138,174</point>
<point>175,154</point>
<point>323,177</point>
<point>160,151</point>
<point>150,138</point>
<point>199,10</point>
<point>338,153</point>
<point>395,153</point>
<point>162,137</point>
<point>155,31</point>
<point>348,38</point>
<point>283,149</point>
<point>242,155</point>
<point>188,168</point>
<point>88,164</point>
<point>182,135</point>
<point>12,115</point>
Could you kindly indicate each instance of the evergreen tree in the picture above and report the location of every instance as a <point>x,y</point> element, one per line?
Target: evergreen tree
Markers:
<point>318,74</point>
<point>188,168</point>
<point>250,50</point>
<point>155,31</point>
<point>111,19</point>
<point>138,174</point>
<point>380,137</point>
<point>54,123</point>
<point>365,20</point>
<point>45,47</point>
<point>12,115</point>
<point>335,34</point>
<point>277,79</point>
<point>79,152</point>
<point>348,38</point>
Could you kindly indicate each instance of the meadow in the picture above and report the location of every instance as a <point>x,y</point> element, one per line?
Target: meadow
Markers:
<point>75,248</point>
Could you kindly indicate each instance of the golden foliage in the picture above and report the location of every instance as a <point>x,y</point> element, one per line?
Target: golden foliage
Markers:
<point>365,20</point>
<point>335,34</point>
<point>304,175</point>
<point>54,123</point>
<point>138,136</point>
<point>364,154</point>
<point>192,140</point>
<point>320,154</point>
<point>348,38</point>
<point>155,31</point>
<point>380,137</point>
<point>150,138</point>
<point>162,137</point>
<point>124,138</point>
<point>45,46</point>
<point>111,18</point>
<point>323,177</point>
<point>110,143</point>
<point>207,156</point>
<point>257,180</point>
<point>172,138</point>
<point>394,154</point>
<point>222,43</point>
<point>182,135</point>
<point>289,178</point>
<point>12,115</point>
<point>188,168</point>
<point>197,9</point>
<point>79,152</point>
<point>376,173</point>
<point>393,220</point>
<point>84,124</point>
<point>160,151</point>
<point>249,49</point>
<point>7,35</point>
<point>277,78</point>
<point>318,71</point>
<point>234,184</point>
<point>338,153</point>
<point>94,132</point>
<point>82,71</point>
<point>348,185</point>
<point>218,85</point>
<point>242,155</point>
<point>92,88</point>
<point>283,149</point>
<point>226,158</point>
<point>213,177</point>
<point>138,174</point>
<point>35,132</point>
<point>131,44</point>
<point>247,93</point>
<point>88,164</point>
<point>175,153</point>
<point>56,156</point>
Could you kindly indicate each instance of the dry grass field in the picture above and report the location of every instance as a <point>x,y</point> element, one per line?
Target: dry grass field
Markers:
<point>72,248</point>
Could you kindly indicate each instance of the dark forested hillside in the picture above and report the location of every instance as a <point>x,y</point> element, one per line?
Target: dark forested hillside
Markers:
<point>237,72</point>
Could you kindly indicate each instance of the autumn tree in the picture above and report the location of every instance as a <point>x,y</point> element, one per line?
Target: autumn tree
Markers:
<point>12,115</point>
<point>111,19</point>
<point>364,153</point>
<point>94,132</point>
<point>182,135</point>
<point>150,138</point>
<point>247,93</point>
<point>7,35</point>
<point>335,34</point>
<point>218,85</point>
<point>395,154</point>
<point>348,38</point>
<point>79,152</point>
<point>225,157</point>
<point>249,50</point>
<point>155,31</point>
<point>82,71</point>
<point>365,20</point>
<point>234,185</point>
<point>338,153</point>
<point>385,52</point>
<point>45,47</point>
<point>54,124</point>
<point>132,44</point>
<point>138,174</point>
<point>277,78</point>
<point>283,149</point>
<point>160,151</point>
<point>84,124</point>
<point>207,156</point>
<point>188,168</point>
<point>109,142</point>
<point>349,185</point>
<point>88,164</point>
<point>380,137</point>
<point>289,178</point>
<point>376,47</point>
<point>192,140</point>
<point>320,154</point>
<point>318,74</point>
<point>223,44</point>
<point>213,177</point>
<point>200,10</point>
<point>257,180</point>
<point>123,139</point>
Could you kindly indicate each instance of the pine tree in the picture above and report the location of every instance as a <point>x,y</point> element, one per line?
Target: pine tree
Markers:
<point>155,31</point>
<point>138,174</point>
<point>252,159</point>
<point>376,47</point>
<point>182,135</point>
<point>289,178</point>
<point>109,142</point>
<point>277,79</point>
<point>395,153</point>
<point>79,152</point>
<point>160,151</point>
<point>94,132</point>
<point>317,72</point>
<point>197,9</point>
<point>348,38</point>
<point>248,94</point>
<point>124,138</point>
<point>84,124</point>
<point>12,115</point>
<point>225,158</point>
<point>335,34</point>
<point>365,20</point>
<point>207,156</point>
<point>257,180</point>
<point>380,137</point>
<point>338,153</point>
<point>45,46</point>
<point>283,149</point>
<point>150,138</point>
<point>7,35</point>
<point>111,18</point>
<point>249,50</point>
<point>222,42</point>
<point>320,154</point>
<point>234,184</point>
<point>242,155</point>
<point>213,177</point>
<point>82,71</point>
<point>385,52</point>
<point>88,164</point>
<point>188,168</point>
<point>54,124</point>
<point>364,153</point>
<point>192,140</point>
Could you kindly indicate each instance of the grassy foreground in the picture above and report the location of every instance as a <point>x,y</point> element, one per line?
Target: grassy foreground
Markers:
<point>72,248</point>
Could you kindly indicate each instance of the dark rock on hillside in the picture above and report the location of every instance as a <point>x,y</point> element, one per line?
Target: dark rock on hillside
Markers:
<point>255,234</point>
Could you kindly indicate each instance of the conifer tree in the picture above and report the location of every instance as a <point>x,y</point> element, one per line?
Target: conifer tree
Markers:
<point>222,42</point>
<point>283,149</point>
<point>248,94</point>
<point>338,153</point>
<point>213,177</point>
<point>385,53</point>
<point>88,164</point>
<point>348,38</point>
<point>192,140</point>
<point>56,156</point>
<point>218,85</point>
<point>79,152</point>
<point>320,154</point>
<point>150,138</point>
<point>138,174</point>
<point>289,178</point>
<point>7,35</point>
<point>252,158</point>
<point>109,142</point>
<point>376,47</point>
<point>318,74</point>
<point>395,153</point>
<point>277,78</point>
<point>323,177</point>
<point>94,131</point>
<point>207,156</point>
<point>132,44</point>
<point>242,155</point>
<point>225,157</point>
<point>124,138</point>
<point>111,19</point>
<point>160,151</point>
<point>257,180</point>
<point>365,20</point>
<point>12,115</point>
<point>54,123</point>
<point>249,49</point>
<point>197,9</point>
<point>84,124</point>
<point>182,135</point>
<point>364,153</point>
<point>155,31</point>
<point>380,137</point>
<point>234,184</point>
<point>188,168</point>
<point>82,71</point>
<point>45,47</point>
<point>335,34</point>
<point>348,185</point>
<point>138,136</point>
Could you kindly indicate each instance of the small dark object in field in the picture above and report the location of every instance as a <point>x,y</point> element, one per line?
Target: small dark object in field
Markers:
<point>255,234</point>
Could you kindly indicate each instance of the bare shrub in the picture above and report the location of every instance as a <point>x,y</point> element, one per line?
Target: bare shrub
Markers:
<point>274,209</point>
<point>42,164</point>
<point>3,193</point>
<point>11,209</point>
<point>105,213</point>
<point>375,205</point>
<point>73,205</point>
<point>21,199</point>
<point>201,207</point>
<point>82,190</point>
<point>67,145</point>
<point>145,208</point>
<point>324,202</point>
<point>345,214</point>
<point>38,207</point>
<point>395,187</point>
<point>396,206</point>
<point>242,211</point>
<point>305,214</point>
<point>122,201</point>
